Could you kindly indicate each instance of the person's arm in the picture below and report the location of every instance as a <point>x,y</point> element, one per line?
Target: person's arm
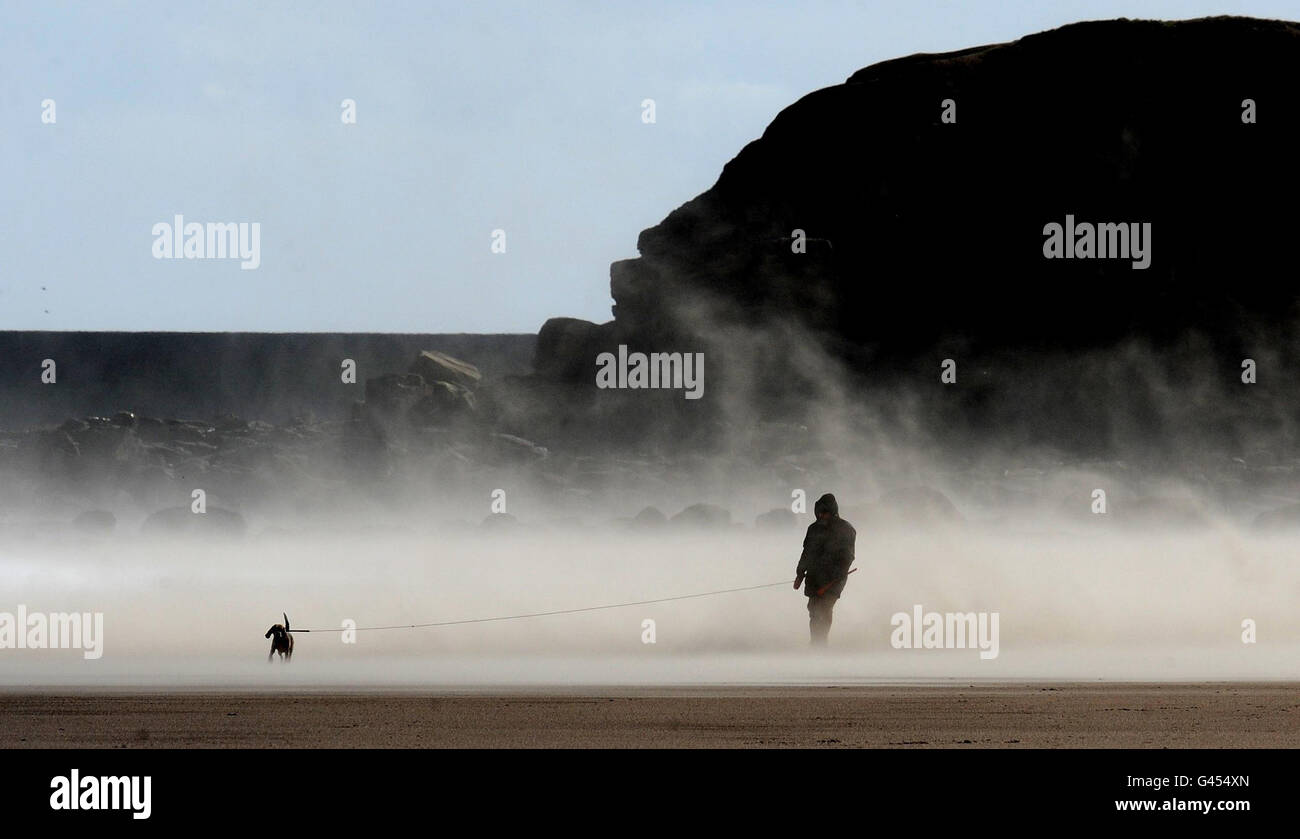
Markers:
<point>800,571</point>
<point>846,561</point>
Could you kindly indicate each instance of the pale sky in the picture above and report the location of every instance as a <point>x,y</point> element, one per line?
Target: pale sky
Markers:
<point>471,117</point>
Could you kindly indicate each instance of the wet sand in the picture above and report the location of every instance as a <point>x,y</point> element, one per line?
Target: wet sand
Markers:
<point>1227,715</point>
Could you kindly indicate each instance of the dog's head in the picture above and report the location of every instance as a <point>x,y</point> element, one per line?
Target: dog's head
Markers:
<point>280,630</point>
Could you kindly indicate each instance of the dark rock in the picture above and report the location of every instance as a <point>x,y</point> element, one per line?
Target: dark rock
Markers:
<point>230,422</point>
<point>507,449</point>
<point>901,211</point>
<point>443,401</point>
<point>395,393</point>
<point>188,430</point>
<point>434,366</point>
<point>649,518</point>
<point>1129,150</point>
<point>702,516</point>
<point>567,349</point>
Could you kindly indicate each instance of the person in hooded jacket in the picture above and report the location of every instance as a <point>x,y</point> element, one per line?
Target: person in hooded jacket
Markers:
<point>824,565</point>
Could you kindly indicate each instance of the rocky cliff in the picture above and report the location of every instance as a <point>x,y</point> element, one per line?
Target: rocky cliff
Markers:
<point>922,187</point>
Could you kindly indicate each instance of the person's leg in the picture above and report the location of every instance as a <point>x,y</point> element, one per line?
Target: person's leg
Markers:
<point>819,617</point>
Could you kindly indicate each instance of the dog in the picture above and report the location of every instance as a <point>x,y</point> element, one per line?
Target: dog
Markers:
<point>282,642</point>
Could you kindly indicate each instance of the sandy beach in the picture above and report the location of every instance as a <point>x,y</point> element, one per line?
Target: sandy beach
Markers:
<point>1217,715</point>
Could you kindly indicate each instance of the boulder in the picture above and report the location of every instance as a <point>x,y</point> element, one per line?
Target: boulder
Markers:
<point>434,366</point>
<point>650,518</point>
<point>395,393</point>
<point>899,209</point>
<point>509,450</point>
<point>443,402</point>
<point>567,349</point>
<point>704,516</point>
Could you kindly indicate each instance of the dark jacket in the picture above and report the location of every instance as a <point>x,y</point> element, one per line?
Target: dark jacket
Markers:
<point>827,551</point>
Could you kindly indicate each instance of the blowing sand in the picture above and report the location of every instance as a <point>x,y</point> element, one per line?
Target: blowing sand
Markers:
<point>1069,715</point>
